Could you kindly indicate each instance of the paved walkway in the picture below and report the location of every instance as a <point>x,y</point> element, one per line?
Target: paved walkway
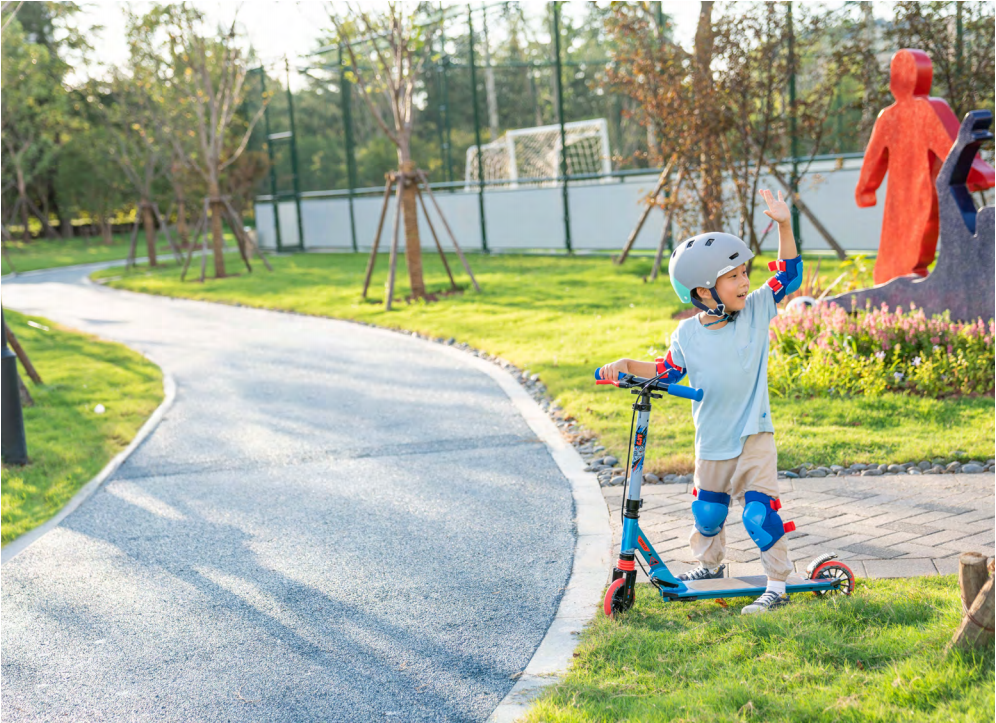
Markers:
<point>332,522</point>
<point>881,526</point>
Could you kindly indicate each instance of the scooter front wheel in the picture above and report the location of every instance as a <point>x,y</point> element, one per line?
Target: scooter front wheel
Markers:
<point>834,571</point>
<point>615,598</point>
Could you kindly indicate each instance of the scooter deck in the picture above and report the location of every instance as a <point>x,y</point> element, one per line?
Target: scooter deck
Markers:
<point>743,586</point>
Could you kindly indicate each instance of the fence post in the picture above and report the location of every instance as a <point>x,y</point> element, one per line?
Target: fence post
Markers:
<point>444,70</point>
<point>793,130</point>
<point>477,134</point>
<point>293,155</point>
<point>560,120</point>
<point>347,123</point>
<point>269,152</point>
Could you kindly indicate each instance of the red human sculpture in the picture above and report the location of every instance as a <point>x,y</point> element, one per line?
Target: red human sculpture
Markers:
<point>911,137</point>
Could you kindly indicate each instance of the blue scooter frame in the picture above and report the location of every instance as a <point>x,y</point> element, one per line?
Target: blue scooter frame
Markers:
<point>822,575</point>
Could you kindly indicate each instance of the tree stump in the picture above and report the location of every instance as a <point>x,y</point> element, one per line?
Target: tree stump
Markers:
<point>976,629</point>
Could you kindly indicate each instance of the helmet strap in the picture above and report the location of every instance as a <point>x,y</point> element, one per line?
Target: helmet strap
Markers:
<point>719,311</point>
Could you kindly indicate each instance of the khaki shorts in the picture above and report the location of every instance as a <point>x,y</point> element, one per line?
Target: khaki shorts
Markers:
<point>756,469</point>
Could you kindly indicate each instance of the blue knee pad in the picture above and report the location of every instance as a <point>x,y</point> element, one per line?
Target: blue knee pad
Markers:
<point>710,510</point>
<point>762,521</point>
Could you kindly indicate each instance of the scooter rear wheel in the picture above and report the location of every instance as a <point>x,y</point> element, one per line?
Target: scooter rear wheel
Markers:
<point>834,571</point>
<point>615,598</point>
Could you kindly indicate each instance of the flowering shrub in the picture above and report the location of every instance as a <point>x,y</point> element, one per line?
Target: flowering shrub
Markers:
<point>824,349</point>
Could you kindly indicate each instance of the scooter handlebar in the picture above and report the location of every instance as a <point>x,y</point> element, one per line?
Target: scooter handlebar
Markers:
<point>628,380</point>
<point>676,390</point>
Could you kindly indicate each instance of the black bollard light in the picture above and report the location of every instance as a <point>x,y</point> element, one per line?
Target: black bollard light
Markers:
<point>13,446</point>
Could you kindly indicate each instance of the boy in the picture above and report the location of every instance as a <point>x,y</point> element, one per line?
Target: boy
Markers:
<point>724,350</point>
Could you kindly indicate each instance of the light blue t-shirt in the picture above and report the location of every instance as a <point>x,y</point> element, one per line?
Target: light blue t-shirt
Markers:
<point>730,365</point>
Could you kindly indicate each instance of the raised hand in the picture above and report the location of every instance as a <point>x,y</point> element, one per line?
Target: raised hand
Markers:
<point>778,210</point>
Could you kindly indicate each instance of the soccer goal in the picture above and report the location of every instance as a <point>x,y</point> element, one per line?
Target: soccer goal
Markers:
<point>531,156</point>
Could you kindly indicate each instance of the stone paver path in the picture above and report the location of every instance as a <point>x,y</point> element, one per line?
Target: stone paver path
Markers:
<point>880,526</point>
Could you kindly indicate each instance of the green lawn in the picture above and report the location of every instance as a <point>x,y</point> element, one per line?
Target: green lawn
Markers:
<point>561,317</point>
<point>876,656</point>
<point>68,443</point>
<point>49,253</point>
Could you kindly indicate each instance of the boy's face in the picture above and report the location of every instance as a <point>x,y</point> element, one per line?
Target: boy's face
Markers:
<point>732,288</point>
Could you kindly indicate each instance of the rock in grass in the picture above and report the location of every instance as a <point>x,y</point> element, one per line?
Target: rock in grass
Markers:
<point>939,461</point>
<point>914,470</point>
<point>816,473</point>
<point>924,465</point>
<point>858,466</point>
<point>837,468</point>
<point>973,468</point>
<point>611,461</point>
<point>791,475</point>
<point>953,467</point>
<point>937,469</point>
<point>873,472</point>
<point>894,468</point>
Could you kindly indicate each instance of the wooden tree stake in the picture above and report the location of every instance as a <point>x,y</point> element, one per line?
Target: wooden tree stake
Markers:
<point>432,197</point>
<point>22,356</point>
<point>976,629</point>
<point>841,254</point>
<point>646,212</point>
<point>380,227</point>
<point>435,238</point>
<point>400,178</point>
<point>658,259</point>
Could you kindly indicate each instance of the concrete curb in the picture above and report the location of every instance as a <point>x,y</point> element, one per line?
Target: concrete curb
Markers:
<point>592,552</point>
<point>15,547</point>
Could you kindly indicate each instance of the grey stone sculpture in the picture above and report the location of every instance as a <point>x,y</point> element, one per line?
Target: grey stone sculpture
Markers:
<point>962,280</point>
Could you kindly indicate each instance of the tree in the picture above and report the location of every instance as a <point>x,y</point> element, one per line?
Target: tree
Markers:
<point>400,44</point>
<point>34,109</point>
<point>206,80</point>
<point>140,144</point>
<point>724,101</point>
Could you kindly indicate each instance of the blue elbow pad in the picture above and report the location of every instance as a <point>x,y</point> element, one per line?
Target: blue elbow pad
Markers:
<point>710,510</point>
<point>787,278</point>
<point>671,371</point>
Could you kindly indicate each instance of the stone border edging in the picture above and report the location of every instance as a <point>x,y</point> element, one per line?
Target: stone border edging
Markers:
<point>18,545</point>
<point>592,551</point>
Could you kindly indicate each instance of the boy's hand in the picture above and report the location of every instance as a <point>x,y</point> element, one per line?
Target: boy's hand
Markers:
<point>610,372</point>
<point>778,211</point>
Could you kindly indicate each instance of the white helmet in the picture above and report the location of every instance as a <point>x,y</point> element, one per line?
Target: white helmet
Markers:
<point>702,259</point>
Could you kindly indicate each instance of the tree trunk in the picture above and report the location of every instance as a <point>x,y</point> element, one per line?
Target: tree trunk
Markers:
<point>24,219</point>
<point>65,219</point>
<point>976,629</point>
<point>181,222</point>
<point>972,575</point>
<point>150,232</point>
<point>413,246</point>
<point>711,175</point>
<point>217,234</point>
<point>105,231</point>
<point>22,191</point>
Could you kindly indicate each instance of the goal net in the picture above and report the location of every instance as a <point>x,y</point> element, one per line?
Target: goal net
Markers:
<point>531,156</point>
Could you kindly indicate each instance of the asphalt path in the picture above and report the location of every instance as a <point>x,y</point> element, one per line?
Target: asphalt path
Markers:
<point>332,522</point>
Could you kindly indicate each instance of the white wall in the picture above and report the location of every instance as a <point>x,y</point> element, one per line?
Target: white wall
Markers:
<point>602,216</point>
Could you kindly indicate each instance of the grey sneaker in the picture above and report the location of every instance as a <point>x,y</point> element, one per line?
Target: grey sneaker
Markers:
<point>702,573</point>
<point>768,601</point>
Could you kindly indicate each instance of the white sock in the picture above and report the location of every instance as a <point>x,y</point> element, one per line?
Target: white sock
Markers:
<point>777,586</point>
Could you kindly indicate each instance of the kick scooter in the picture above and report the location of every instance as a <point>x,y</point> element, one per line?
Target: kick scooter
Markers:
<point>823,576</point>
